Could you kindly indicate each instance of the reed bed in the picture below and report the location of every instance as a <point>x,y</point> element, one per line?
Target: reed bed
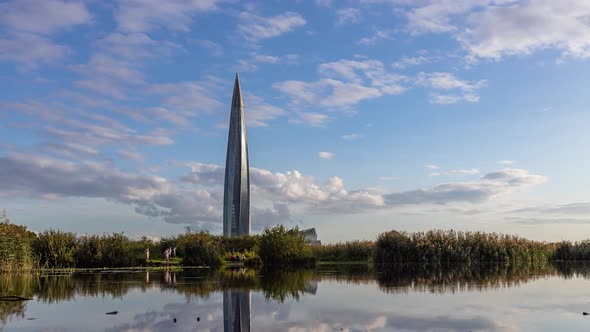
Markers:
<point>351,251</point>
<point>439,246</point>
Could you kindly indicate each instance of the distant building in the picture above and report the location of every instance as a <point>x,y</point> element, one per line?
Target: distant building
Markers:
<point>310,236</point>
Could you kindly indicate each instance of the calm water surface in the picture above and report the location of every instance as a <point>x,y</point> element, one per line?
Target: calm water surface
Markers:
<point>329,298</point>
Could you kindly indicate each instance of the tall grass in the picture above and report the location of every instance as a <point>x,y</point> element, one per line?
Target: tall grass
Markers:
<point>438,246</point>
<point>352,251</point>
<point>15,248</point>
<point>22,250</point>
<point>55,249</point>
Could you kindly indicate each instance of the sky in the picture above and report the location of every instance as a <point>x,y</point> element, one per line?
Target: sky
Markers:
<point>363,115</point>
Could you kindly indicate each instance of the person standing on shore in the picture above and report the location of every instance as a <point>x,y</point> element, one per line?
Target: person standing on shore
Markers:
<point>147,254</point>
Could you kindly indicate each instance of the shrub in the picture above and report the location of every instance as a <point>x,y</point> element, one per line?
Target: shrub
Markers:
<point>281,246</point>
<point>115,251</point>
<point>55,249</point>
<point>89,253</point>
<point>200,249</point>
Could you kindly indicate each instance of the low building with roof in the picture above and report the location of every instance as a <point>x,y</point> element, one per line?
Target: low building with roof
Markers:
<point>310,236</point>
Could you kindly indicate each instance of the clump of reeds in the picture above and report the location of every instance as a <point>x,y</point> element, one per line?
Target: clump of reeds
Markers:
<point>438,246</point>
<point>15,247</point>
<point>351,251</point>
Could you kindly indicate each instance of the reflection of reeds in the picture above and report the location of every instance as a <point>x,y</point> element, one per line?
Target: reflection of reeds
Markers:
<point>463,277</point>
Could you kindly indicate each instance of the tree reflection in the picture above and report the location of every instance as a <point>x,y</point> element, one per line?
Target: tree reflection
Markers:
<point>275,285</point>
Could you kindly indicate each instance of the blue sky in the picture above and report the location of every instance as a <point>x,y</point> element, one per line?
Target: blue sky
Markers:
<point>363,115</point>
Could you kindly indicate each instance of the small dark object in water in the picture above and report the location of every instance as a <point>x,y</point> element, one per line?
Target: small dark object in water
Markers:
<point>174,320</point>
<point>14,298</point>
<point>198,319</point>
<point>112,313</point>
<point>585,313</point>
<point>31,318</point>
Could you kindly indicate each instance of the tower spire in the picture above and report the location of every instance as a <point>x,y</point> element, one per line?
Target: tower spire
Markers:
<point>236,193</point>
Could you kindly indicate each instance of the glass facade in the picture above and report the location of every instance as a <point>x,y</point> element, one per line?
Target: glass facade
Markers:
<point>236,193</point>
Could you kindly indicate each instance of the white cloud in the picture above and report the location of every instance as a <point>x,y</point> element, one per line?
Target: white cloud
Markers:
<point>489,186</point>
<point>348,16</point>
<point>197,197</point>
<point>494,29</point>
<point>30,49</point>
<point>256,28</point>
<point>505,162</point>
<point>520,28</point>
<point>377,36</point>
<point>29,25</point>
<point>344,83</point>
<point>135,46</point>
<point>435,15</point>
<point>431,166</point>
<point>29,176</point>
<point>311,118</point>
<point>146,15</point>
<point>464,90</point>
<point>43,17</point>
<point>325,155</point>
<point>407,62</point>
<point>190,96</point>
<point>259,113</point>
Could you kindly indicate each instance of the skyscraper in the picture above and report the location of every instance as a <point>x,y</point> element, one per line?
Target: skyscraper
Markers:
<point>236,193</point>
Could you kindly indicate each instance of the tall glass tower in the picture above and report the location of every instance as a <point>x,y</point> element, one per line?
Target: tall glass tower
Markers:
<point>236,193</point>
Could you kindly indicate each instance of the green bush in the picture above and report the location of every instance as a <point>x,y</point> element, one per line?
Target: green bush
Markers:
<point>281,246</point>
<point>89,253</point>
<point>200,249</point>
<point>55,249</point>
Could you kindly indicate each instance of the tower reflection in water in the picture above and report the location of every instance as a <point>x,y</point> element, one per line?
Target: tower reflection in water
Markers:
<point>236,310</point>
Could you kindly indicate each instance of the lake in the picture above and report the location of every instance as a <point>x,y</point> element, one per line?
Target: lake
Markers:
<point>328,298</point>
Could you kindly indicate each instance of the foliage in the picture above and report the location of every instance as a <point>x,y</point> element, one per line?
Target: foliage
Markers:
<point>568,251</point>
<point>438,246</point>
<point>240,243</point>
<point>15,247</point>
<point>55,249</point>
<point>279,245</point>
<point>344,251</point>
<point>200,249</point>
